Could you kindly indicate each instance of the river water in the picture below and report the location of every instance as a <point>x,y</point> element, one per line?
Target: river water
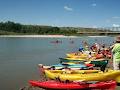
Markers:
<point>19,57</point>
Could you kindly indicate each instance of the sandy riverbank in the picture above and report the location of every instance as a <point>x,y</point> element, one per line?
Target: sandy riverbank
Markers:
<point>45,36</point>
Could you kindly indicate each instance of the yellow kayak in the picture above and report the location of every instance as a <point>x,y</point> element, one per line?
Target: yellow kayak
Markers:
<point>53,74</point>
<point>75,58</point>
<point>77,55</point>
<point>100,76</point>
<point>80,56</point>
<point>85,55</point>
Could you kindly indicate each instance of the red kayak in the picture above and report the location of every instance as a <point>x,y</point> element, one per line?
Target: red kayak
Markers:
<point>109,85</point>
<point>58,85</point>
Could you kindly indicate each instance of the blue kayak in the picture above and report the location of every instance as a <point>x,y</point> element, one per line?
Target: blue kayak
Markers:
<point>71,65</point>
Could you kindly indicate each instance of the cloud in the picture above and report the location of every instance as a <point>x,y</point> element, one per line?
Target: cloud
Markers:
<point>94,4</point>
<point>116,25</point>
<point>94,26</point>
<point>68,8</point>
<point>115,17</point>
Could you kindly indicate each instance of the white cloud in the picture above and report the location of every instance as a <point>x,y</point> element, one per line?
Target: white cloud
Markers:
<point>94,4</point>
<point>68,8</point>
<point>116,25</point>
<point>94,26</point>
<point>115,17</point>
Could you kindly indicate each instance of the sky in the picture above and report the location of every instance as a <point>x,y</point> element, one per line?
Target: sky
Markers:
<point>63,13</point>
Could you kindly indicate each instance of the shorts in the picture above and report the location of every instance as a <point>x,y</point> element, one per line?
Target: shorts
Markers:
<point>116,65</point>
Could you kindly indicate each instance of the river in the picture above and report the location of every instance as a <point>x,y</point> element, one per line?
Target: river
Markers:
<point>19,56</point>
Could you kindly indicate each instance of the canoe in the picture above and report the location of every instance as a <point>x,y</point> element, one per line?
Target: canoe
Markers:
<point>100,76</point>
<point>109,85</point>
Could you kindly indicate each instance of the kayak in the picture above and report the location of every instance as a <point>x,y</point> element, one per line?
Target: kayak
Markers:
<point>74,71</point>
<point>61,70</point>
<point>42,68</point>
<point>97,62</point>
<point>74,60</point>
<point>82,55</point>
<point>81,66</point>
<point>100,63</point>
<point>77,55</point>
<point>58,85</point>
<point>100,76</point>
<point>109,85</point>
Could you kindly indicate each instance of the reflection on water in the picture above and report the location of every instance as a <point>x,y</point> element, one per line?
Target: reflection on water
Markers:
<point>19,57</point>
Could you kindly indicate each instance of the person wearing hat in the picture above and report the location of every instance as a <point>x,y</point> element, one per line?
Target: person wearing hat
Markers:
<point>116,54</point>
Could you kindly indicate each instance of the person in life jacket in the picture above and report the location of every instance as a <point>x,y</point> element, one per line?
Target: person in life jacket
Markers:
<point>95,47</point>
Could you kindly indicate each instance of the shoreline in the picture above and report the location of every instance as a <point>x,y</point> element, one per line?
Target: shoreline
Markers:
<point>97,36</point>
<point>44,36</point>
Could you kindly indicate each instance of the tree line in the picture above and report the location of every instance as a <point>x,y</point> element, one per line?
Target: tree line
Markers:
<point>17,28</point>
<point>10,27</point>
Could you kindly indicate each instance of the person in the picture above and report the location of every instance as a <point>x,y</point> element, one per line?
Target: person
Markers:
<point>52,68</point>
<point>81,49</point>
<point>85,45</point>
<point>116,54</point>
<point>95,47</point>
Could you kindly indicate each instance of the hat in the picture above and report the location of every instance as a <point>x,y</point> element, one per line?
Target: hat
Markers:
<point>118,38</point>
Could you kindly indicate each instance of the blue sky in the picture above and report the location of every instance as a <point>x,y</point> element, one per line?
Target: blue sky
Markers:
<point>73,13</point>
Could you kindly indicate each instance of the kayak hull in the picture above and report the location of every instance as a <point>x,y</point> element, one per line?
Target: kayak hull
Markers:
<point>97,62</point>
<point>57,85</point>
<point>81,66</point>
<point>109,85</point>
<point>81,56</point>
<point>100,76</point>
<point>71,67</point>
<point>60,69</point>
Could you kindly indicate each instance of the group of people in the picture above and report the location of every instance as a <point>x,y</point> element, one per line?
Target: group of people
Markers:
<point>101,51</point>
<point>114,50</point>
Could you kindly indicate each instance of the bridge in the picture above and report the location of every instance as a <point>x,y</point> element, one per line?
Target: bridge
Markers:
<point>100,33</point>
